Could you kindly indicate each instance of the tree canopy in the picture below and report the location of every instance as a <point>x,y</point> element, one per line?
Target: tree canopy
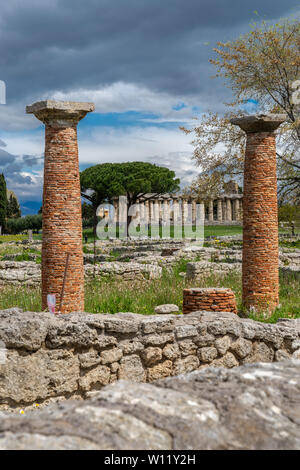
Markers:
<point>13,207</point>
<point>262,69</point>
<point>102,182</point>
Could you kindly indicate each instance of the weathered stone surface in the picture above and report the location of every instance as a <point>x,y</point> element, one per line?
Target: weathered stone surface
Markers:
<point>164,369</point>
<point>23,330</point>
<point>251,407</point>
<point>111,355</point>
<point>187,331</point>
<point>242,347</point>
<point>131,346</point>
<point>296,354</point>
<point>166,308</point>
<point>204,340</point>
<point>157,324</point>
<point>120,325</point>
<point>89,359</point>
<point>63,333</point>
<point>151,355</point>
<point>281,355</point>
<point>295,345</point>
<point>171,351</point>
<point>187,364</point>
<point>222,344</point>
<point>187,347</point>
<point>228,361</point>
<point>43,374</point>
<point>125,271</point>
<point>131,368</point>
<point>32,356</point>
<point>207,354</point>
<point>158,340</point>
<point>95,377</point>
<point>260,353</point>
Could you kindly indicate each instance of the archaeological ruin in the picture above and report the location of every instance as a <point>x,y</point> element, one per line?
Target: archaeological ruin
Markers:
<point>224,210</point>
<point>62,260</point>
<point>260,220</point>
<point>134,377</point>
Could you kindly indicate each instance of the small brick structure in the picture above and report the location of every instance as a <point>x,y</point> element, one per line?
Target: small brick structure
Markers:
<point>260,221</point>
<point>209,299</point>
<point>62,221</point>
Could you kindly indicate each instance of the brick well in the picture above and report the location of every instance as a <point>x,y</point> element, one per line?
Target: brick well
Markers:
<point>209,299</point>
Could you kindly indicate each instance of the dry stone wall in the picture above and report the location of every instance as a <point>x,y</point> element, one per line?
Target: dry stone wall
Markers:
<point>52,358</point>
<point>255,406</point>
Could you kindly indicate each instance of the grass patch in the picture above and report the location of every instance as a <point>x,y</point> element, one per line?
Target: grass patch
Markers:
<point>112,296</point>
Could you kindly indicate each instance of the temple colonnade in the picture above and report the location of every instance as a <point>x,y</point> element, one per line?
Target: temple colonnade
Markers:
<point>223,210</point>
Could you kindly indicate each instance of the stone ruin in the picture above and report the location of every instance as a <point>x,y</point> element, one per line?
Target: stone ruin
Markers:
<point>62,257</point>
<point>166,382</point>
<point>62,261</point>
<point>226,209</point>
<point>260,276</point>
<point>167,359</point>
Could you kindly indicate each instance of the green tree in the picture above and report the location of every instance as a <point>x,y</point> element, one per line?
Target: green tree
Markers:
<point>87,211</point>
<point>21,224</point>
<point>290,215</point>
<point>3,202</point>
<point>101,183</point>
<point>262,68</point>
<point>13,207</point>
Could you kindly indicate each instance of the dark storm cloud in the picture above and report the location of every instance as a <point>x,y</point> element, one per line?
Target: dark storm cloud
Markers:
<point>30,160</point>
<point>13,165</point>
<point>64,44</point>
<point>6,158</point>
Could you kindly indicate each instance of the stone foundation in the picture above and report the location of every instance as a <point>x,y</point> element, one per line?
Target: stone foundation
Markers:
<point>211,300</point>
<point>49,358</point>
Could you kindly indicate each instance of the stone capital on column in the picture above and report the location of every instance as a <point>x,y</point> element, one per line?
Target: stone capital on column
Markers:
<point>259,122</point>
<point>60,113</point>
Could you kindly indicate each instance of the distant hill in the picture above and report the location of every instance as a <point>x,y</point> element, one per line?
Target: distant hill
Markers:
<point>30,207</point>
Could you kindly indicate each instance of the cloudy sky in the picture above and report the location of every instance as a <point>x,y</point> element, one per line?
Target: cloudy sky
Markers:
<point>144,63</point>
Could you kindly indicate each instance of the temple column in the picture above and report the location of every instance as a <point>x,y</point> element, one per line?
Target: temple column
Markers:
<point>260,276</point>
<point>219,210</point>
<point>236,209</point>
<point>202,212</point>
<point>211,210</point>
<point>228,210</point>
<point>62,257</point>
<point>194,211</point>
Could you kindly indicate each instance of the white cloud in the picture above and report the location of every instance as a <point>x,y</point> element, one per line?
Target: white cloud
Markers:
<point>121,97</point>
<point>166,147</point>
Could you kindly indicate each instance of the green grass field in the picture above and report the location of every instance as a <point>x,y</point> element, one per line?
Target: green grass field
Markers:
<point>112,296</point>
<point>209,231</point>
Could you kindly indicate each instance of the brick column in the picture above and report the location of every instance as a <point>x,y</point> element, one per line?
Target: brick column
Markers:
<point>62,222</point>
<point>260,225</point>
